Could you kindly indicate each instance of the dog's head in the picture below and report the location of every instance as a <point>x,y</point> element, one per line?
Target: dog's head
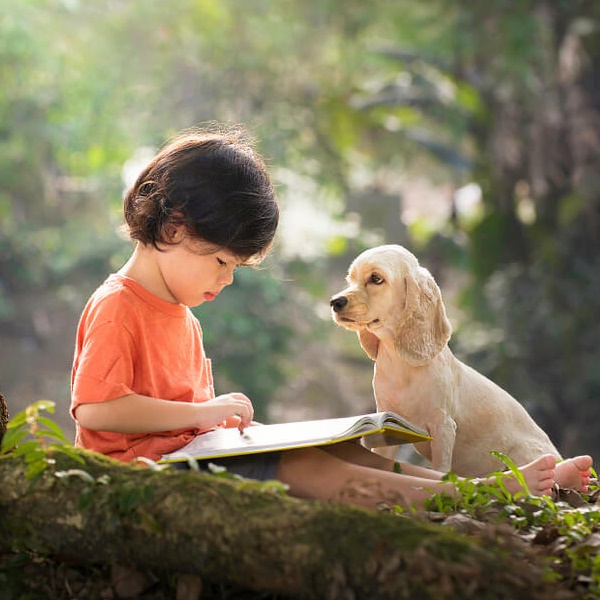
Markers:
<point>390,295</point>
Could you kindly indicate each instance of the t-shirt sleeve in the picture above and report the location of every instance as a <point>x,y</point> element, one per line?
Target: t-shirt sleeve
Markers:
<point>105,366</point>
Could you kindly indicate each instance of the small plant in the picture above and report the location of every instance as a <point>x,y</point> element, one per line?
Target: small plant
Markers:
<point>31,435</point>
<point>474,496</point>
<point>574,531</point>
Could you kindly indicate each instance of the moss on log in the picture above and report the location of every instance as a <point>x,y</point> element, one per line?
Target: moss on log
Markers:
<point>104,512</point>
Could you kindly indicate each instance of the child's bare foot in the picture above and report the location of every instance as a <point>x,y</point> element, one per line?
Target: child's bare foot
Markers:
<point>574,473</point>
<point>542,473</point>
<point>539,476</point>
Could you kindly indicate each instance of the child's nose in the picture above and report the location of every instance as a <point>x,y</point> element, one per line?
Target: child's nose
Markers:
<point>226,278</point>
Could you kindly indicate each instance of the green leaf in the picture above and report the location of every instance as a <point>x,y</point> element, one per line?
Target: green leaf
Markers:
<point>11,438</point>
<point>36,468</point>
<point>18,420</point>
<point>35,454</point>
<point>57,432</point>
<point>69,451</point>
<point>513,469</point>
<point>44,405</point>
<point>28,448</point>
<point>46,433</point>
<point>41,405</point>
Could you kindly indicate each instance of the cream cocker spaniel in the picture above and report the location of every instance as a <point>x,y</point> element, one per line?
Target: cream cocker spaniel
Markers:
<point>396,308</point>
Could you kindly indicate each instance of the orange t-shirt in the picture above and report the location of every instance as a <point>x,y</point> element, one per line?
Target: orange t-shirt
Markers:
<point>129,341</point>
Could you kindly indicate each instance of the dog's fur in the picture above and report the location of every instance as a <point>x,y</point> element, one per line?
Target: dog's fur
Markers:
<point>396,308</point>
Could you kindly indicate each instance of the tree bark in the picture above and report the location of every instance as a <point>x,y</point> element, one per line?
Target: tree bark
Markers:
<point>246,534</point>
<point>4,417</point>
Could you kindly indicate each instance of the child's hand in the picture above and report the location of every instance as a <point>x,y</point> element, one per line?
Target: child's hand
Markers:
<point>231,407</point>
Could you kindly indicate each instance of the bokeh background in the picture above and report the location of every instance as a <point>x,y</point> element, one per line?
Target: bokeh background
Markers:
<point>467,131</point>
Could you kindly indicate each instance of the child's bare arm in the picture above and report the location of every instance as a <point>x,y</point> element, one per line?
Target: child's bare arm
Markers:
<point>142,414</point>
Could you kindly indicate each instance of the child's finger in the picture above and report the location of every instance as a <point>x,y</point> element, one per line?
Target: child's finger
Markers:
<point>233,422</point>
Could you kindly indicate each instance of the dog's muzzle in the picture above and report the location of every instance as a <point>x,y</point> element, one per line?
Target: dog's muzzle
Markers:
<point>338,303</point>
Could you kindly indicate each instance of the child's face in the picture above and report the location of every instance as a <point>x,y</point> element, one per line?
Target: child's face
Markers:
<point>192,277</point>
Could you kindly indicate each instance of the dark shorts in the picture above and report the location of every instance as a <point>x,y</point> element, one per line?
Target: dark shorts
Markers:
<point>262,467</point>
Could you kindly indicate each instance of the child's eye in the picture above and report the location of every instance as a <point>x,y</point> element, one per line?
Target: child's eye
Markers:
<point>221,262</point>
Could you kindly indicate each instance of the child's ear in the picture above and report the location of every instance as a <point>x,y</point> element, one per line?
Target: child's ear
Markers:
<point>173,233</point>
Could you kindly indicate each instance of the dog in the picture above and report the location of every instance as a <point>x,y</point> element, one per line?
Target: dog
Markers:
<point>396,308</point>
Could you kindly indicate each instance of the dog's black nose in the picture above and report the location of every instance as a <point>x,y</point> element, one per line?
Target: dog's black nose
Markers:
<point>338,303</point>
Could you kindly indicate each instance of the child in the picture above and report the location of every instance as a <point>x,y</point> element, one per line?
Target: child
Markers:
<point>141,383</point>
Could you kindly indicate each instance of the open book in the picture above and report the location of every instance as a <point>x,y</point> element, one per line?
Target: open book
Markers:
<point>376,429</point>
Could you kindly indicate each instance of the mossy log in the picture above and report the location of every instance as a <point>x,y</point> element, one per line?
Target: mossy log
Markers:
<point>243,533</point>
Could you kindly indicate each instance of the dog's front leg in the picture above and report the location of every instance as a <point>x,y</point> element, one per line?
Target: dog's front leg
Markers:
<point>388,452</point>
<point>443,431</point>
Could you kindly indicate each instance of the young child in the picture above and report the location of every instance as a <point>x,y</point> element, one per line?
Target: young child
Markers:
<point>141,383</point>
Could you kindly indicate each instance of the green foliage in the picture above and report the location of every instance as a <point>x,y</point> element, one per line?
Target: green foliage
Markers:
<point>534,518</point>
<point>475,495</point>
<point>248,334</point>
<point>34,437</point>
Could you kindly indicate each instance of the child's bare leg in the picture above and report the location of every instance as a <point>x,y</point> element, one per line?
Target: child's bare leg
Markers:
<point>315,473</point>
<point>321,475</point>
<point>359,455</point>
<point>350,476</point>
<point>574,473</point>
<point>356,453</point>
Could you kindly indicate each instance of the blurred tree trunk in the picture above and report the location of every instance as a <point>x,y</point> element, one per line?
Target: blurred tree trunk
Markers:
<point>244,534</point>
<point>534,255</point>
<point>538,141</point>
<point>4,417</point>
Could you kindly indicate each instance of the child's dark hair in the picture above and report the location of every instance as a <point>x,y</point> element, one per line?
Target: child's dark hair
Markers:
<point>215,185</point>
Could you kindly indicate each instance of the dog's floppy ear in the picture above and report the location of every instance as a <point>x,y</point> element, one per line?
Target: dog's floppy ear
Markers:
<point>369,343</point>
<point>424,329</point>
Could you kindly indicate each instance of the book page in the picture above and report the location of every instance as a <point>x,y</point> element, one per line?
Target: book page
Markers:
<point>258,438</point>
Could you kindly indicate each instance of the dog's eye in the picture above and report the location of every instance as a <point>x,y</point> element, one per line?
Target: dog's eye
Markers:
<point>376,279</point>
